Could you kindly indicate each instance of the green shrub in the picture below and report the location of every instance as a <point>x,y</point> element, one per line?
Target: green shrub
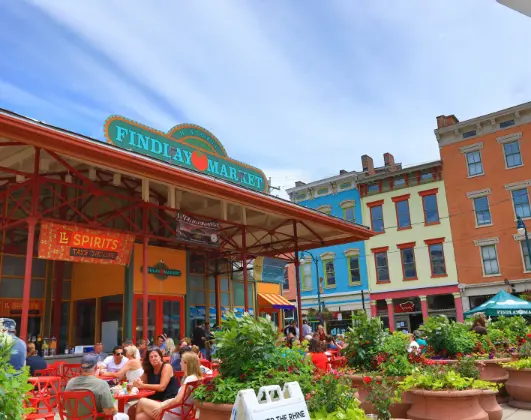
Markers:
<point>364,341</point>
<point>451,339</point>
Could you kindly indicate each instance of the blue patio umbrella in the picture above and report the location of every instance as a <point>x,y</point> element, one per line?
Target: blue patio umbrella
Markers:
<point>503,304</point>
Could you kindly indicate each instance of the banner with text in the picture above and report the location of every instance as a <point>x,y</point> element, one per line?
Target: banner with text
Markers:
<point>79,244</point>
<point>198,231</point>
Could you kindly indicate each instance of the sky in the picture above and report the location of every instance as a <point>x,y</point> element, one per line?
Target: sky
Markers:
<point>298,88</point>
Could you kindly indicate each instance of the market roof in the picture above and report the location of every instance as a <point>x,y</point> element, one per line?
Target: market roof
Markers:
<point>503,304</point>
<point>272,223</point>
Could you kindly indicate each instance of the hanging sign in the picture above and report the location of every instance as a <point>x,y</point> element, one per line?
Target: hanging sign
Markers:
<point>13,307</point>
<point>269,270</point>
<point>197,231</point>
<point>272,403</point>
<point>185,145</point>
<point>79,244</point>
<point>161,271</point>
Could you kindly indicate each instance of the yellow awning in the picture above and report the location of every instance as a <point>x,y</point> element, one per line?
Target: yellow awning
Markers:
<point>275,301</point>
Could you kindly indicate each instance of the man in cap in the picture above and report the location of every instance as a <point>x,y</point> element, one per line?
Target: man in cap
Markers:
<point>88,381</point>
<point>18,351</point>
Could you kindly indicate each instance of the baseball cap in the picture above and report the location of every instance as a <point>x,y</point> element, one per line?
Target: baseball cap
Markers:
<point>8,324</point>
<point>128,342</point>
<point>89,360</point>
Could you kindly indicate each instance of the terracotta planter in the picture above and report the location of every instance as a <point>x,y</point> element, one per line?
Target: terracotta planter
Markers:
<point>491,370</point>
<point>397,410</point>
<point>489,404</point>
<point>446,405</point>
<point>210,411</point>
<point>519,388</point>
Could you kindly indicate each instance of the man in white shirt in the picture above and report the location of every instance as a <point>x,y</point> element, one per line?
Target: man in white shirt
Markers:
<point>115,362</point>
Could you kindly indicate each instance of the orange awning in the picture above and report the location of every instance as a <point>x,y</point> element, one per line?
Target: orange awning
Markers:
<point>274,301</point>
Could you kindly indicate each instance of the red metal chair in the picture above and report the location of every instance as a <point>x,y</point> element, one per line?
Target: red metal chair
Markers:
<point>49,371</point>
<point>179,376</point>
<point>72,402</point>
<point>185,410</point>
<point>206,363</point>
<point>43,398</point>
<point>70,370</point>
<point>337,362</point>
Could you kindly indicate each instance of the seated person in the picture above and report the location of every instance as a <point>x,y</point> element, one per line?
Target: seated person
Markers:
<point>132,370</point>
<point>317,357</point>
<point>331,343</point>
<point>176,357</point>
<point>34,361</point>
<point>100,389</point>
<point>158,376</point>
<point>115,362</point>
<point>149,409</point>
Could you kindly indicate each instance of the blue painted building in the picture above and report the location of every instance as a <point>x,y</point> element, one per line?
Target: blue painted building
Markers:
<point>343,268</point>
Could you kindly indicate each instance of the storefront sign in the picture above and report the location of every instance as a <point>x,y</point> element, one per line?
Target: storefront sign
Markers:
<point>79,244</point>
<point>338,327</point>
<point>405,307</point>
<point>161,271</point>
<point>185,145</point>
<point>269,270</point>
<point>13,307</point>
<point>197,231</point>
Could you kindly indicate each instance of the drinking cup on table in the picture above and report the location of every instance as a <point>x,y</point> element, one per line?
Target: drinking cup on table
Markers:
<point>129,387</point>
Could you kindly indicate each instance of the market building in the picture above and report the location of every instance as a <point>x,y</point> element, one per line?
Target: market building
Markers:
<point>333,279</point>
<point>487,188</point>
<point>144,234</point>
<point>410,259</point>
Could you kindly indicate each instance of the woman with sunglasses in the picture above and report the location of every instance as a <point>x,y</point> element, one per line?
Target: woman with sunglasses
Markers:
<point>151,410</point>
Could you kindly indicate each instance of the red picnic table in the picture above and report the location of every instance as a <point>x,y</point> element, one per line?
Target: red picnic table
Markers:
<point>125,398</point>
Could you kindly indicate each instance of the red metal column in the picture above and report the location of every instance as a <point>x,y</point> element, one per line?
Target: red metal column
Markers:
<point>32,222</point>
<point>424,306</point>
<point>391,314</point>
<point>59,278</point>
<point>145,288</point>
<point>458,307</point>
<point>374,308</point>
<point>27,279</point>
<point>245,274</point>
<point>298,281</point>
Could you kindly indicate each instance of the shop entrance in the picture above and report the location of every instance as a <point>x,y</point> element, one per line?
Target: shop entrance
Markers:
<point>165,315</point>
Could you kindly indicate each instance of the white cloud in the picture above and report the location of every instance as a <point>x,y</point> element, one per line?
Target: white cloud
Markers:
<point>300,92</point>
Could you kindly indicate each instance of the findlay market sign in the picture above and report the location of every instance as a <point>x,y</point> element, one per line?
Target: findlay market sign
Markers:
<point>186,145</point>
<point>161,271</point>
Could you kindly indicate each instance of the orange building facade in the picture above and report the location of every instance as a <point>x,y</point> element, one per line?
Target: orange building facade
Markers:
<point>487,175</point>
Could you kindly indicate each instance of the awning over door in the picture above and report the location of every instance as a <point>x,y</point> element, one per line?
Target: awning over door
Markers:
<point>274,301</point>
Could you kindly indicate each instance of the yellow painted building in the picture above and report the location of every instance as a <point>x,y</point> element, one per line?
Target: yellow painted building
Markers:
<point>410,262</point>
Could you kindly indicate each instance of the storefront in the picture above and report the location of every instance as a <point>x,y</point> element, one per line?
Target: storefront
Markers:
<point>140,235</point>
<point>408,309</point>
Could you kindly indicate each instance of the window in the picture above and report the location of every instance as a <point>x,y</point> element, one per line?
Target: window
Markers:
<point>348,207</point>
<point>490,260</point>
<point>307,279</point>
<point>374,188</point>
<point>521,203</point>
<point>330,273</point>
<point>436,252</point>
<point>481,207</point>
<point>354,270</point>
<point>429,202</point>
<point>285,284</point>
<point>525,255</point>
<point>377,221</point>
<point>408,263</point>
<point>399,182</point>
<point>426,176</point>
<point>513,157</point>
<point>402,214</point>
<point>325,209</point>
<point>505,124</point>
<point>473,160</point>
<point>382,266</point>
<point>468,134</point>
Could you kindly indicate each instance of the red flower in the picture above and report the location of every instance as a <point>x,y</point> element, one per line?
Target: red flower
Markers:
<point>308,396</point>
<point>367,379</point>
<point>459,355</point>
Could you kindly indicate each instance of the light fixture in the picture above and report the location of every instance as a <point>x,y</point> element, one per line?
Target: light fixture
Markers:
<point>520,226</point>
<point>68,178</point>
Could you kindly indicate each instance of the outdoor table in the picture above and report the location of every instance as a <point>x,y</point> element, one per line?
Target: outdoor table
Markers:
<point>125,398</point>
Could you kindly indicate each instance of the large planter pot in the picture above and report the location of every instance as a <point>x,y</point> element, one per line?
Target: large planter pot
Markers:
<point>519,388</point>
<point>397,410</point>
<point>489,404</point>
<point>491,370</point>
<point>446,405</point>
<point>210,411</point>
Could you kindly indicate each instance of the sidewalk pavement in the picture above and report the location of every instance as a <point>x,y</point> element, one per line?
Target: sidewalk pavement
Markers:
<point>510,413</point>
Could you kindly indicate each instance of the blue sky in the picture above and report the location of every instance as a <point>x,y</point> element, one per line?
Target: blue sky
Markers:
<point>299,88</point>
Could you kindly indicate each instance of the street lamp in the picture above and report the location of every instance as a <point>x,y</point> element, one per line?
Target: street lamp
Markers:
<point>316,261</point>
<point>522,229</point>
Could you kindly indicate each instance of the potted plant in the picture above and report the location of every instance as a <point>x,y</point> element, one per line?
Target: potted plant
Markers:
<point>448,339</point>
<point>14,385</point>
<point>250,359</point>
<point>440,392</point>
<point>519,383</point>
<point>332,398</point>
<point>382,396</point>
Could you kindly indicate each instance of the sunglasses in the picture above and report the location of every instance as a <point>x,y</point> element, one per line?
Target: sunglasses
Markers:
<point>118,354</point>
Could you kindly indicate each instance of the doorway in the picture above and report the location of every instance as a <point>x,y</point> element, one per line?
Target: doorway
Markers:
<point>165,315</point>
